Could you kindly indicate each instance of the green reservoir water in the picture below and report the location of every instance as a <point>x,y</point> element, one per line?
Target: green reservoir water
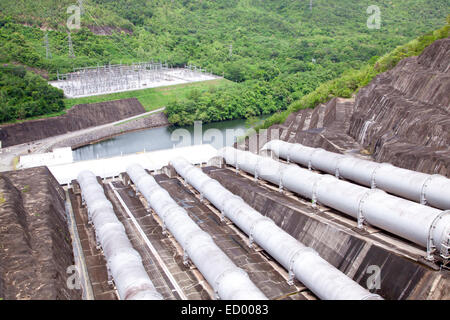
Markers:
<point>219,134</point>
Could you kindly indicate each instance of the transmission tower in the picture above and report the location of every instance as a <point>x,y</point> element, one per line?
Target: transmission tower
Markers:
<point>231,50</point>
<point>310,5</point>
<point>80,4</point>
<point>71,54</point>
<point>48,54</point>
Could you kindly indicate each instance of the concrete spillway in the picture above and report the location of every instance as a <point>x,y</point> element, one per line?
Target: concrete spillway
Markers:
<point>305,264</point>
<point>416,186</point>
<point>228,281</point>
<point>124,263</point>
<point>425,226</point>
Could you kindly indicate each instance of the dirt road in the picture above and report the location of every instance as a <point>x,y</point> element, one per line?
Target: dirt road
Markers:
<point>7,155</point>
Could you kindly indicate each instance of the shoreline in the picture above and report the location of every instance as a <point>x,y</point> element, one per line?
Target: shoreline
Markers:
<point>92,142</point>
<point>155,120</point>
<point>76,139</point>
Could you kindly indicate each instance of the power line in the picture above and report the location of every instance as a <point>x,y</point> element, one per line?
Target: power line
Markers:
<point>71,54</point>
<point>48,54</point>
<point>80,4</point>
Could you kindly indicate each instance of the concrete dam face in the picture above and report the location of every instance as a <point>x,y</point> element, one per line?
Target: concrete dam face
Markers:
<point>349,202</point>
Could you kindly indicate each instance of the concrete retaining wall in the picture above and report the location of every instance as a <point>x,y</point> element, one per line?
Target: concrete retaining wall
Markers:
<point>79,117</point>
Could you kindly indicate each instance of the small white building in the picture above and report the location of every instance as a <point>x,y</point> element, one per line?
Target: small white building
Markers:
<point>58,156</point>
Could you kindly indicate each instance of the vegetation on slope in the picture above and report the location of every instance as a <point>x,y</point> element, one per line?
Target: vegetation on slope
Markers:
<point>244,100</point>
<point>52,15</point>
<point>280,49</point>
<point>353,80</point>
<point>268,37</point>
<point>289,93</point>
<point>24,94</point>
<point>155,98</point>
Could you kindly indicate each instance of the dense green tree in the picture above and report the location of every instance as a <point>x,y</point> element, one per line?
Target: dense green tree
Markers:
<point>24,94</point>
<point>277,51</point>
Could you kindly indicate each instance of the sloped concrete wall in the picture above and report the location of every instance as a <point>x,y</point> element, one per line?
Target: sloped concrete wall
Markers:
<point>79,117</point>
<point>409,107</point>
<point>35,243</point>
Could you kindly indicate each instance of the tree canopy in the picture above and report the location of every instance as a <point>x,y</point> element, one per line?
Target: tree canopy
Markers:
<point>281,50</point>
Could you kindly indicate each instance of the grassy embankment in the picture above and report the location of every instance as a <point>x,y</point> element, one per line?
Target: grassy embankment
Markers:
<point>153,98</point>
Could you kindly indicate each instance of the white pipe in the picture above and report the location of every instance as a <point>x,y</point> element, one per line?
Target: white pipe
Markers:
<point>423,225</point>
<point>124,263</point>
<point>153,250</point>
<point>433,190</point>
<point>319,276</point>
<point>228,281</point>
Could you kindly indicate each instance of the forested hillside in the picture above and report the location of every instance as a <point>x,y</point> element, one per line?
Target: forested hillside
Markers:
<point>24,94</point>
<point>353,80</point>
<point>277,50</point>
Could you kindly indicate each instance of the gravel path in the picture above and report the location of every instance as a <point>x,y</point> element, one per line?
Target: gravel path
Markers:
<point>152,119</point>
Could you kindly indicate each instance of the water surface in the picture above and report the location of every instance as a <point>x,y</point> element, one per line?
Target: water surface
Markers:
<point>219,134</point>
